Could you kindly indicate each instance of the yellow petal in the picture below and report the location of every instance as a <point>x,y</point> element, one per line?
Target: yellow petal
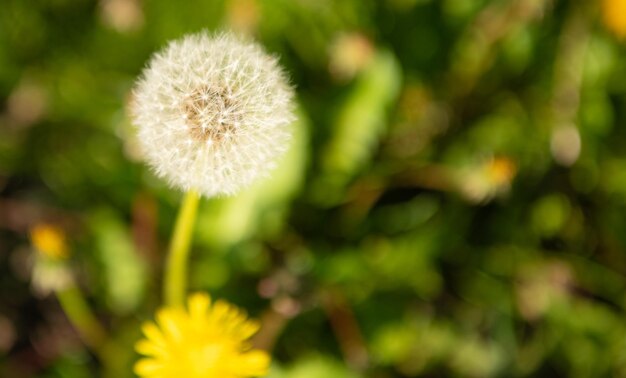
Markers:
<point>248,329</point>
<point>254,363</point>
<point>148,367</point>
<point>153,333</point>
<point>148,348</point>
<point>199,304</point>
<point>171,324</point>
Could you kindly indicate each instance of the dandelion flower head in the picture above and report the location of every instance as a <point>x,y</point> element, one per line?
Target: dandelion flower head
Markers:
<point>614,16</point>
<point>50,271</point>
<point>205,341</point>
<point>49,241</point>
<point>213,113</point>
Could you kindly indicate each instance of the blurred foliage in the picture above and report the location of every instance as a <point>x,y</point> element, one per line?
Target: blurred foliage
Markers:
<point>453,203</point>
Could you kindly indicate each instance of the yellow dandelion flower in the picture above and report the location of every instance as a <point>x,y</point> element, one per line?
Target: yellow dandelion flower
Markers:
<point>484,180</point>
<point>501,170</point>
<point>614,16</point>
<point>208,340</point>
<point>49,241</point>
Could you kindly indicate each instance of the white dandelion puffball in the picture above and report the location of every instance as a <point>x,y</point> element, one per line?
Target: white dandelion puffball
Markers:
<point>213,113</point>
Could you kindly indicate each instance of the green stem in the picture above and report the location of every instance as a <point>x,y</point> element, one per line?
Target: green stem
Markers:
<point>175,285</point>
<point>79,314</point>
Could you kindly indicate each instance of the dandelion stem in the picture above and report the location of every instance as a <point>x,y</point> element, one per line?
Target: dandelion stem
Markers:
<point>81,317</point>
<point>175,284</point>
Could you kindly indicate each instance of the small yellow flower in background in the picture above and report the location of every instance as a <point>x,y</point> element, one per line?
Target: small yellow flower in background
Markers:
<point>349,55</point>
<point>50,271</point>
<point>207,340</point>
<point>49,241</point>
<point>501,170</point>
<point>484,180</point>
<point>614,16</point>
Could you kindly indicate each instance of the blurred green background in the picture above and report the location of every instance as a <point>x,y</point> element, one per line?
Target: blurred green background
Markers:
<point>453,204</point>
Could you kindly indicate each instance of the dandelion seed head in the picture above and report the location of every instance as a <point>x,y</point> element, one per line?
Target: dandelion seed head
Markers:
<point>213,113</point>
